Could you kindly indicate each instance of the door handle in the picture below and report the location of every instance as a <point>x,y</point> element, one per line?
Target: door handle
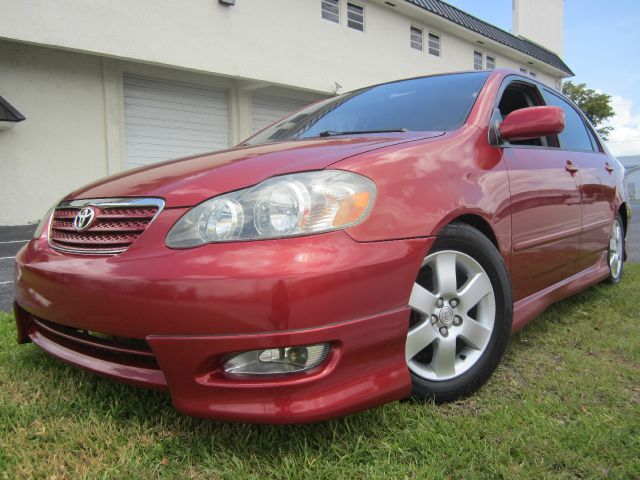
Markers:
<point>570,167</point>
<point>608,167</point>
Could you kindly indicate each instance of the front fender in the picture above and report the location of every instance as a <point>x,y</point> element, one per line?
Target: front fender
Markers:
<point>425,185</point>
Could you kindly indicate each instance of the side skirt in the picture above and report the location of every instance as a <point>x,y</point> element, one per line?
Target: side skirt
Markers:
<point>530,307</point>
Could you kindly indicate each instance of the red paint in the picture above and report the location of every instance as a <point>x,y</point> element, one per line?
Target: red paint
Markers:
<point>362,371</point>
<point>545,219</point>
<point>528,308</point>
<point>137,376</point>
<point>186,182</point>
<point>217,289</point>
<point>349,288</point>
<point>532,122</point>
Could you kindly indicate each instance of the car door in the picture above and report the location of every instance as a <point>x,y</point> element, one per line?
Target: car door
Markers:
<point>596,180</point>
<point>545,202</point>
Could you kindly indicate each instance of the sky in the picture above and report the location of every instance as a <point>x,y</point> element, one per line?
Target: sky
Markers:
<point>602,47</point>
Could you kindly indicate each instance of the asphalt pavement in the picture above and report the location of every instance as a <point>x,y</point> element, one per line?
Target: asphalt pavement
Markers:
<point>633,235</point>
<point>13,239</point>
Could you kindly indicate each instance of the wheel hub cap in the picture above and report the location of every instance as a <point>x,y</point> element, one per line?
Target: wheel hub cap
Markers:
<point>446,316</point>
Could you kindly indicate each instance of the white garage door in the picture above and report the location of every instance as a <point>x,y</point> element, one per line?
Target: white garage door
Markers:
<point>267,109</point>
<point>165,120</point>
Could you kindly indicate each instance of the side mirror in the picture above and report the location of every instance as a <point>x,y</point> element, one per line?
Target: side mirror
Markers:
<point>532,122</point>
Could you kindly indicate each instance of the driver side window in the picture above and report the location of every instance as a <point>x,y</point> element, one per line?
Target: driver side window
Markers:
<point>521,95</point>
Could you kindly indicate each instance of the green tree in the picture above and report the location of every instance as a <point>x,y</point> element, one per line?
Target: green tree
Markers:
<point>596,106</point>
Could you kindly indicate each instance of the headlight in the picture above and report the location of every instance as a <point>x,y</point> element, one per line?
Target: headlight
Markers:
<point>39,229</point>
<point>286,206</point>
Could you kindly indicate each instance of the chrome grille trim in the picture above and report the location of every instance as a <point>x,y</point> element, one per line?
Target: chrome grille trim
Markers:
<point>104,203</point>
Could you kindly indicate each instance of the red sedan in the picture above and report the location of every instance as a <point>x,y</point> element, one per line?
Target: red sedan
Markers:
<point>376,245</point>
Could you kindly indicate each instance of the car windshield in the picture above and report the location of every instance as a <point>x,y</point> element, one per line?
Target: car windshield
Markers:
<point>436,103</point>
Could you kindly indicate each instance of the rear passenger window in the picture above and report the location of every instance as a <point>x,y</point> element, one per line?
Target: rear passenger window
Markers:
<point>575,135</point>
<point>594,141</point>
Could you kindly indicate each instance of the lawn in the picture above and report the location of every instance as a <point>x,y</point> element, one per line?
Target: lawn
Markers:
<point>565,403</point>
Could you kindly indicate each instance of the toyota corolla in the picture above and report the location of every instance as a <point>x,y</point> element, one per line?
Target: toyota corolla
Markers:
<point>373,246</point>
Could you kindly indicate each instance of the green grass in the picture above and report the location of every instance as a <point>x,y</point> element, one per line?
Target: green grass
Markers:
<point>565,403</point>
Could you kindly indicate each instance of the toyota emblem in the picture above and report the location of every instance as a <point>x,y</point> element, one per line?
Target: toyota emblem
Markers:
<point>84,219</point>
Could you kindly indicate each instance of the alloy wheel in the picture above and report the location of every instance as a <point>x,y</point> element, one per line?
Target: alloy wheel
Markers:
<point>452,318</point>
<point>616,253</point>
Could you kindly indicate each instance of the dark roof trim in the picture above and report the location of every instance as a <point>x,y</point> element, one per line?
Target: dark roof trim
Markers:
<point>485,29</point>
<point>8,113</point>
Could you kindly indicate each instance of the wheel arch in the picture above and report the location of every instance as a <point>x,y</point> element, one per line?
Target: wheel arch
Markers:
<point>622,210</point>
<point>476,219</point>
<point>479,223</point>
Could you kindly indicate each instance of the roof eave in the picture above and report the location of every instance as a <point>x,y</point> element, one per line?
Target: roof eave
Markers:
<point>411,6</point>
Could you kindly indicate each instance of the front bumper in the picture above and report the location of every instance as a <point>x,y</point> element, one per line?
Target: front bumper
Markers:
<point>194,307</point>
<point>366,367</point>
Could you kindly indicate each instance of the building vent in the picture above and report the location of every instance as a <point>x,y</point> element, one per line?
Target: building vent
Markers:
<point>227,3</point>
<point>9,116</point>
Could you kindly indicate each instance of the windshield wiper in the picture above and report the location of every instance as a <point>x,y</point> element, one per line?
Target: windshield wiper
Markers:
<point>332,133</point>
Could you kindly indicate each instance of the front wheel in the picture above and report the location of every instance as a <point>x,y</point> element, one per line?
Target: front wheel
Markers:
<point>461,314</point>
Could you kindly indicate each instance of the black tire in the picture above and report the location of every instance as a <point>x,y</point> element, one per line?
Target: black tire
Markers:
<point>470,241</point>
<point>615,279</point>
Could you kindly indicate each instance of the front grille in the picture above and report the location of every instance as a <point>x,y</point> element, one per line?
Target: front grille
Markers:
<point>116,225</point>
<point>125,351</point>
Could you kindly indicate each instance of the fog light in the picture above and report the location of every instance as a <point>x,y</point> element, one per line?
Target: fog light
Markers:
<point>275,361</point>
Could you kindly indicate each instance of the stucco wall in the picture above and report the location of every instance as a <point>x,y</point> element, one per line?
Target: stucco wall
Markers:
<point>284,42</point>
<point>61,64</point>
<point>74,131</point>
<point>62,143</point>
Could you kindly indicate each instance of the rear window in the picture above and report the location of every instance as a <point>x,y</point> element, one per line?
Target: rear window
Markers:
<point>422,104</point>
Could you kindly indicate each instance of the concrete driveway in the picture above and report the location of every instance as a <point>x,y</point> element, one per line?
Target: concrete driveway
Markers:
<point>13,238</point>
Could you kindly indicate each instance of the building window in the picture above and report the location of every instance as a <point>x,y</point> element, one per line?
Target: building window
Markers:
<point>416,38</point>
<point>331,10</point>
<point>491,63</point>
<point>532,74</point>
<point>355,16</point>
<point>434,44</point>
<point>477,61</point>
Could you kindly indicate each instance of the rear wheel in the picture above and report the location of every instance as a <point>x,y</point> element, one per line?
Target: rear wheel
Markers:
<point>461,313</point>
<point>616,250</point>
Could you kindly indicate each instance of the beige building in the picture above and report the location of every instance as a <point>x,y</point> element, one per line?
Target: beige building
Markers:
<point>108,85</point>
<point>632,175</point>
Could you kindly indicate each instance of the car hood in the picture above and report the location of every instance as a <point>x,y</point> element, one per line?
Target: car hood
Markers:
<point>189,181</point>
